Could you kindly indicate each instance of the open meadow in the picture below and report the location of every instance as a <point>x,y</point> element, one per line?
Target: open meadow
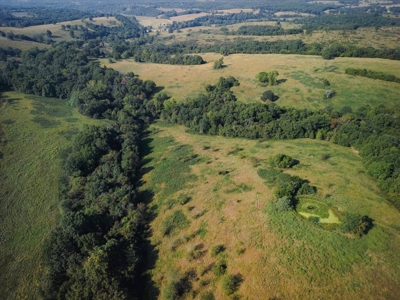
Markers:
<point>302,76</point>
<point>34,133</point>
<point>212,216</point>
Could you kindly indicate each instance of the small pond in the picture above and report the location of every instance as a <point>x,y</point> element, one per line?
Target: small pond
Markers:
<point>313,208</point>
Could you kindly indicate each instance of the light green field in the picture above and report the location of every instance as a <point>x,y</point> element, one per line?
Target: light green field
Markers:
<point>34,133</point>
<point>278,255</point>
<point>303,74</point>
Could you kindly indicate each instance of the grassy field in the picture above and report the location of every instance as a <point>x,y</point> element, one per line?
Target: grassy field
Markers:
<point>34,132</point>
<point>303,74</point>
<point>58,34</point>
<point>210,188</point>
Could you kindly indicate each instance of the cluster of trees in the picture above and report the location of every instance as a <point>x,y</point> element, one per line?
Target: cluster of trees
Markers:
<point>268,78</point>
<point>261,30</point>
<point>142,10</point>
<point>44,37</point>
<point>174,13</point>
<point>41,16</point>
<point>374,131</point>
<point>144,50</point>
<point>216,19</point>
<point>372,74</point>
<point>65,72</point>
<point>129,28</point>
<point>349,21</point>
<point>94,252</point>
<point>9,52</point>
<point>300,7</point>
<point>348,50</point>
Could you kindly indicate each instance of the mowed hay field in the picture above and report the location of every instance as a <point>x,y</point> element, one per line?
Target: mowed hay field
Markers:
<point>204,191</point>
<point>34,132</point>
<point>302,76</point>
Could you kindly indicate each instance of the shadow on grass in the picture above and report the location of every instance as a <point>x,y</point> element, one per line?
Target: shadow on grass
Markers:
<point>147,288</point>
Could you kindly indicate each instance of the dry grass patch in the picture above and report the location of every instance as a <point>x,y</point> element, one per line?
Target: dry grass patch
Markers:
<point>256,245</point>
<point>153,22</point>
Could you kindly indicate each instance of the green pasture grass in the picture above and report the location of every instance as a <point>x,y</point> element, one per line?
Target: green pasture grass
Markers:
<point>35,131</point>
<point>302,76</point>
<point>277,254</point>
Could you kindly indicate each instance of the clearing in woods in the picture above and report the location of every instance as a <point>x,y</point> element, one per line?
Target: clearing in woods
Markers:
<point>302,78</point>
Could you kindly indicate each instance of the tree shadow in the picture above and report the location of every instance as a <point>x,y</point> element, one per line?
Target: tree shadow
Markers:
<point>369,224</point>
<point>295,163</point>
<point>279,81</point>
<point>158,89</point>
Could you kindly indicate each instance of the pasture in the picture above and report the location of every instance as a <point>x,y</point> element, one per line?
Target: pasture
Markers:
<point>302,76</point>
<point>223,214</point>
<point>34,133</point>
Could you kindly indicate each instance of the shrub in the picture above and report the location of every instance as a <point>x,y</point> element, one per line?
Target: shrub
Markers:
<point>284,204</point>
<point>282,161</point>
<point>174,222</point>
<point>207,296</point>
<point>219,64</point>
<point>229,284</point>
<point>356,224</point>
<point>217,249</point>
<point>269,95</point>
<point>219,268</point>
<point>306,189</point>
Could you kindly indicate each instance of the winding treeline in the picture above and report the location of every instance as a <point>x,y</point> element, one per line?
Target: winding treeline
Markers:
<point>262,30</point>
<point>372,74</point>
<point>374,131</point>
<point>41,16</point>
<point>94,252</point>
<point>348,21</point>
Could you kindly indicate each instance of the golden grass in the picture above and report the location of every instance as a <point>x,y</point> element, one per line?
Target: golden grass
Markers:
<point>150,21</point>
<point>22,45</point>
<point>30,170</point>
<point>238,221</point>
<point>183,18</point>
<point>302,73</point>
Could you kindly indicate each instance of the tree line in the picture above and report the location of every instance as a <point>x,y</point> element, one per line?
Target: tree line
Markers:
<point>42,16</point>
<point>372,74</point>
<point>95,250</point>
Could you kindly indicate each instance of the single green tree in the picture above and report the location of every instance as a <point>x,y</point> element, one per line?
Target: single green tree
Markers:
<point>219,64</point>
